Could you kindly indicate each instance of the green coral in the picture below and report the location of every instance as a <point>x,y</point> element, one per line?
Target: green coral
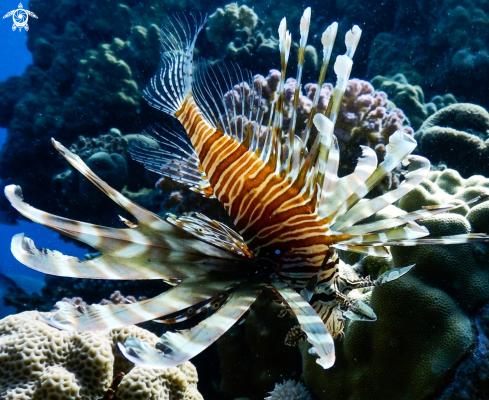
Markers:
<point>410,98</point>
<point>443,187</point>
<point>423,326</point>
<point>419,335</point>
<point>458,136</point>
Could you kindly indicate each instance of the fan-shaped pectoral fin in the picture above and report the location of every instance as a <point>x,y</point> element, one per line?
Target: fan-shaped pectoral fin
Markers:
<point>114,316</point>
<point>311,324</point>
<point>104,267</point>
<point>176,348</point>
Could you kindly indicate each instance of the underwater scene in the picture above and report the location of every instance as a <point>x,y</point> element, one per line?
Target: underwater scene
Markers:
<point>272,200</point>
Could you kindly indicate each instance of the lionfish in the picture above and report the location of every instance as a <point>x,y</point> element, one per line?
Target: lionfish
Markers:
<point>289,208</point>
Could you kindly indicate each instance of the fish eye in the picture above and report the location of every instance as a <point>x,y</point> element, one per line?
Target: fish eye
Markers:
<point>190,311</point>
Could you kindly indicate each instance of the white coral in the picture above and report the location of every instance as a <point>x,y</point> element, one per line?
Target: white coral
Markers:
<point>38,361</point>
<point>289,390</point>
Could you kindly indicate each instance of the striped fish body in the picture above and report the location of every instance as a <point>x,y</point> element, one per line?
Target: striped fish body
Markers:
<point>272,216</point>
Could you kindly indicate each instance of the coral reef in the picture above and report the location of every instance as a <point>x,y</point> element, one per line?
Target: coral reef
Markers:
<point>457,136</point>
<point>410,98</point>
<point>423,319</point>
<point>365,117</point>
<point>239,35</point>
<point>88,74</point>
<point>39,361</point>
<point>86,78</point>
<point>112,142</point>
<point>289,390</point>
<point>115,298</point>
<point>90,291</point>
<point>108,155</point>
<point>447,51</point>
<point>231,28</point>
<point>443,187</point>
<point>470,379</point>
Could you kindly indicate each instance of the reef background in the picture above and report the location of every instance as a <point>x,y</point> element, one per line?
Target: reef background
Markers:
<point>90,62</point>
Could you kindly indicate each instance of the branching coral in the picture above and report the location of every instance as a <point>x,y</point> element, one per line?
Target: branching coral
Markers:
<point>365,117</point>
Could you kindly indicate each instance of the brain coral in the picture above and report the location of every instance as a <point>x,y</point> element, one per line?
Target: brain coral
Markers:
<point>458,136</point>
<point>38,361</point>
<point>442,187</point>
<point>423,326</point>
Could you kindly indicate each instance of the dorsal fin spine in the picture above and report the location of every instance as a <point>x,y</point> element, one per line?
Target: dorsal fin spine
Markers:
<point>169,89</point>
<point>304,29</point>
<point>327,40</point>
<point>285,41</point>
<point>342,69</point>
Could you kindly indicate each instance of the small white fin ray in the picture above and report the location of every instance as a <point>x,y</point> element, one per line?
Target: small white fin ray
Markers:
<point>169,89</point>
<point>175,158</point>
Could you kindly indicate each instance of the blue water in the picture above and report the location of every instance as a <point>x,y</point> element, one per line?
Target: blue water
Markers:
<point>14,58</point>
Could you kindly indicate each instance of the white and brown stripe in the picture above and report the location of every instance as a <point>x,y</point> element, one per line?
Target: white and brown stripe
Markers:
<point>270,213</point>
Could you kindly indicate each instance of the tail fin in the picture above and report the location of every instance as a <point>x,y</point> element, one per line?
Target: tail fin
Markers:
<point>168,90</point>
